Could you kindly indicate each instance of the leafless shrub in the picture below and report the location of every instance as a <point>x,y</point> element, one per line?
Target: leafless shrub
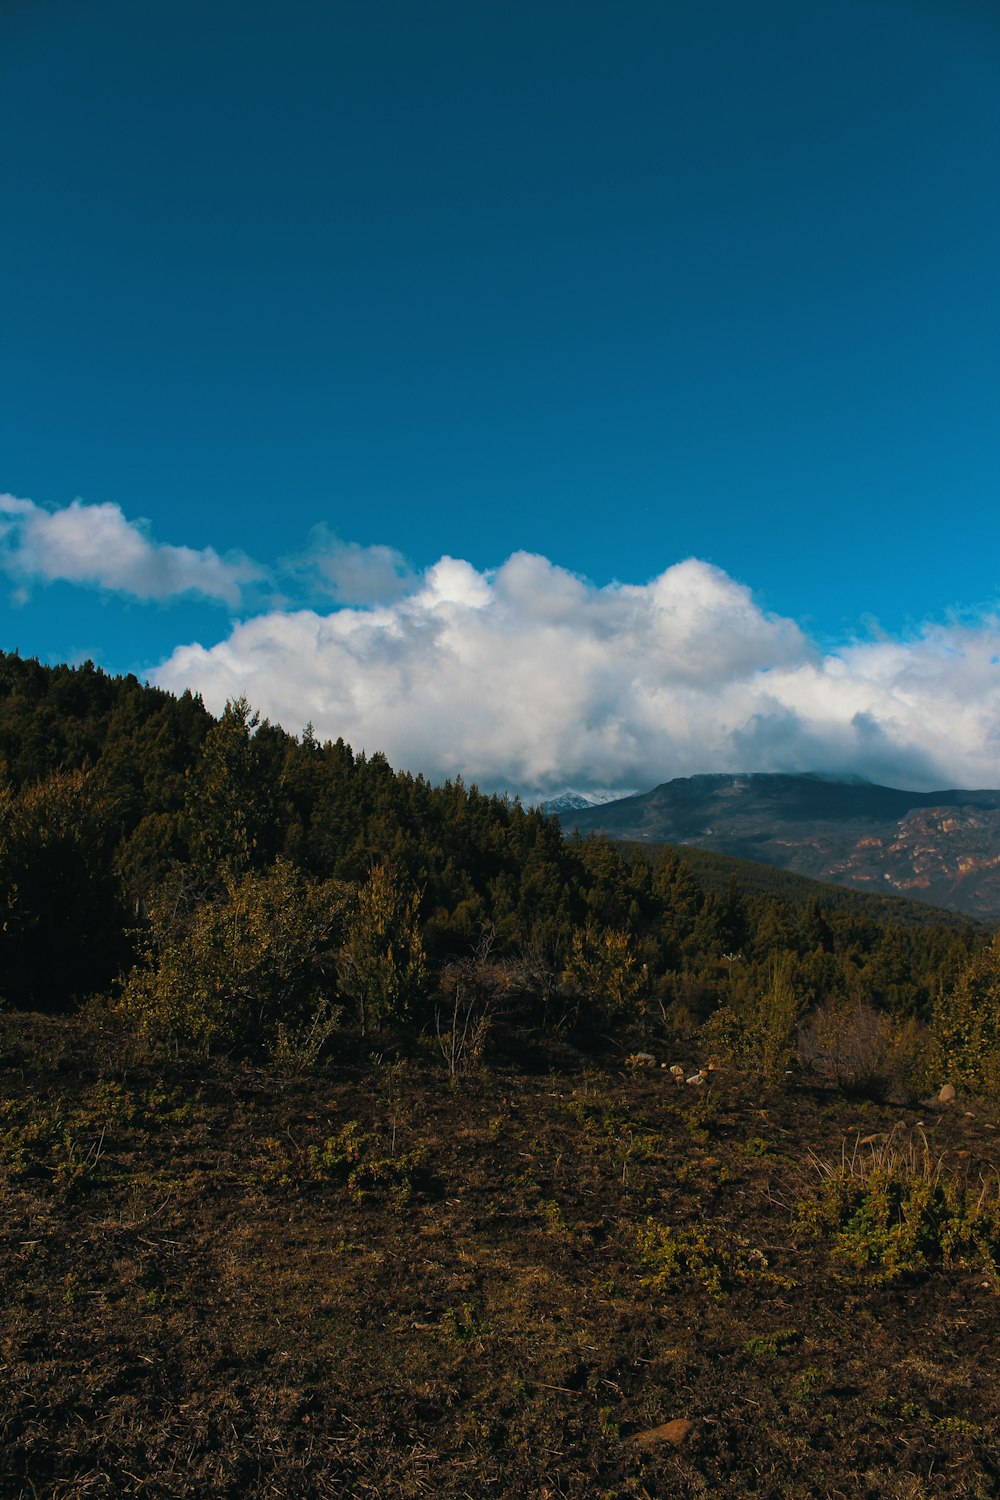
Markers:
<point>471,991</point>
<point>847,1044</point>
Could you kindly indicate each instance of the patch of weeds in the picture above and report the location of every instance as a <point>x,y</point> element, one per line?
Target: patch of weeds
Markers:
<point>551,1214</point>
<point>892,1211</point>
<point>465,1324</point>
<point>770,1345</point>
<point>609,1427</point>
<point>36,1050</point>
<point>959,1425</point>
<point>350,1158</point>
<point>161,1106</point>
<point>756,1145</point>
<point>632,1146</point>
<point>108,1103</point>
<point>39,1140</point>
<point>603,1122</point>
<point>700,1117</point>
<point>806,1390</point>
<point>717,1263</point>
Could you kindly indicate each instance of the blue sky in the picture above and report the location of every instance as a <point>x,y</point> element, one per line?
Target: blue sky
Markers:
<point>616,286</point>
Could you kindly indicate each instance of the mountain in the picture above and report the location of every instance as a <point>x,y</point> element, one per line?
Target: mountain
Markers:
<point>939,847</point>
<point>577,801</point>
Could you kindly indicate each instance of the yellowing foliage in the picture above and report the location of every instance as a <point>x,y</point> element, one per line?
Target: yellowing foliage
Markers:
<point>229,971</point>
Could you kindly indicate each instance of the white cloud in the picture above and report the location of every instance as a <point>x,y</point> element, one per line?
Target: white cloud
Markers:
<point>353,574</point>
<point>96,545</point>
<point>532,678</point>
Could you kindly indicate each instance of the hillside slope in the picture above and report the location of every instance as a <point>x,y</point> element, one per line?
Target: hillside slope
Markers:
<point>941,847</point>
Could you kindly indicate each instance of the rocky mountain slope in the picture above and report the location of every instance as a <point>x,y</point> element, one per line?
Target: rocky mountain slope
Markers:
<point>940,847</point>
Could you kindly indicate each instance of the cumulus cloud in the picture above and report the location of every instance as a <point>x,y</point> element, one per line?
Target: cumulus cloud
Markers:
<point>97,545</point>
<point>531,678</point>
<point>351,573</point>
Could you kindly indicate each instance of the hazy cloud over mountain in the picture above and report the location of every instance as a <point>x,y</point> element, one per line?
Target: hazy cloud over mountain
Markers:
<point>532,678</point>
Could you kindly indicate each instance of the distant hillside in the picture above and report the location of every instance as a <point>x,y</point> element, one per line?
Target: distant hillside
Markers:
<point>938,847</point>
<point>715,872</point>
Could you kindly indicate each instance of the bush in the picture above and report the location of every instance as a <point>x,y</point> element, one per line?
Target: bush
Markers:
<point>228,972</point>
<point>472,989</point>
<point>382,964</point>
<point>62,922</point>
<point>759,1032</point>
<point>851,1045</point>
<point>717,1262</point>
<point>965,1023</point>
<point>894,1211</point>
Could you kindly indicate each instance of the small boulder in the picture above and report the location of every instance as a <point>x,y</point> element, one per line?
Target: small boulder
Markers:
<point>673,1433</point>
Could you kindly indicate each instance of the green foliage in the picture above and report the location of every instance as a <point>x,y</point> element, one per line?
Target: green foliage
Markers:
<point>759,1034</point>
<point>350,1158</point>
<point>227,972</point>
<point>382,965</point>
<point>806,1390</point>
<point>61,921</point>
<point>965,1023</point>
<point>227,804</point>
<point>603,965</point>
<point>122,803</point>
<point>297,1048</point>
<point>467,1326</point>
<point>770,1345</point>
<point>893,1212</point>
<point>41,1140</point>
<point>718,1263</point>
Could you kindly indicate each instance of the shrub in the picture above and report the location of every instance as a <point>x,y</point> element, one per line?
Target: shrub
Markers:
<point>62,923</point>
<point>350,1158</point>
<point>965,1023</point>
<point>228,972</point>
<point>472,989</point>
<point>759,1032</point>
<point>717,1264</point>
<point>893,1211</point>
<point>846,1043</point>
<point>603,965</point>
<point>382,963</point>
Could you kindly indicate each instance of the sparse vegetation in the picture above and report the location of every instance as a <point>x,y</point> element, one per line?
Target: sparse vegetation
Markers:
<point>472,1270</point>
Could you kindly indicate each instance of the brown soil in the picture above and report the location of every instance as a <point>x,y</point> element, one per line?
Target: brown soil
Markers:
<point>372,1283</point>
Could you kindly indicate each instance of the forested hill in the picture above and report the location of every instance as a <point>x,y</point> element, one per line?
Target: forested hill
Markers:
<point>153,852</point>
